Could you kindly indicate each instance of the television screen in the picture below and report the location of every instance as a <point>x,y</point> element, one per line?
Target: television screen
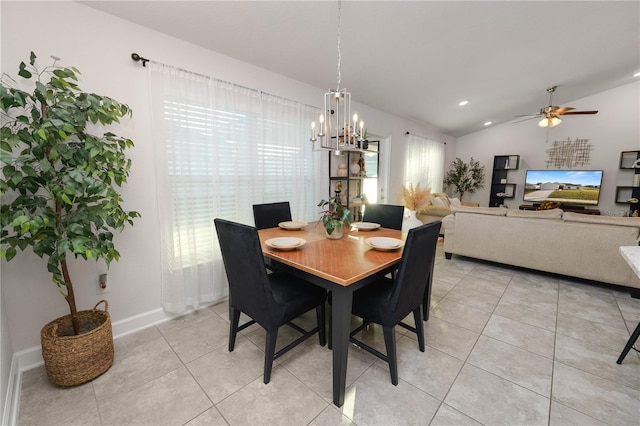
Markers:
<point>568,187</point>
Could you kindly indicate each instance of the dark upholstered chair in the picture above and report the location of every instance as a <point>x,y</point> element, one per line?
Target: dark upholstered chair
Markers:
<point>271,300</point>
<point>388,301</point>
<point>271,214</point>
<point>387,215</point>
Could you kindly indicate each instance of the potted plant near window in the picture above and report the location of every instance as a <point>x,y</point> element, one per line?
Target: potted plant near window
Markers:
<point>465,177</point>
<point>335,217</point>
<point>59,185</point>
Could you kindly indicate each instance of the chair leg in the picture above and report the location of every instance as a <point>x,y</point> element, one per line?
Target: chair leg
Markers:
<point>417,319</point>
<point>234,320</point>
<point>390,344</point>
<point>330,342</point>
<point>320,316</point>
<point>269,352</point>
<point>632,340</point>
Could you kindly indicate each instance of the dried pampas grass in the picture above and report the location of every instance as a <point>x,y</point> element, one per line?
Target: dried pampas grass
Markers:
<point>416,198</point>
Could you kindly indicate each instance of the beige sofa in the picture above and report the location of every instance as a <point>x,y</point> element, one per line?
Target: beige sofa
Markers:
<point>440,207</point>
<point>573,244</point>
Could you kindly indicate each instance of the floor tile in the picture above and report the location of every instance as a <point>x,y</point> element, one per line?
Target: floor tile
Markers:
<point>373,400</point>
<point>432,371</point>
<point>448,416</point>
<point>136,365</point>
<point>522,367</point>
<point>199,338</point>
<point>221,373</point>
<point>594,333</point>
<point>598,360</point>
<point>449,338</point>
<point>331,416</point>
<point>492,400</point>
<point>484,285</point>
<point>156,403</point>
<point>527,310</point>
<point>42,402</point>
<point>211,417</point>
<point>565,416</point>
<point>492,273</point>
<point>525,336</point>
<point>284,401</point>
<point>185,321</point>
<point>462,315</point>
<point>594,396</point>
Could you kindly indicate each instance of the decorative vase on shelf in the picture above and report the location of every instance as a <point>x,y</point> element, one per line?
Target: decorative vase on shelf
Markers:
<point>411,222</point>
<point>354,167</point>
<point>342,170</point>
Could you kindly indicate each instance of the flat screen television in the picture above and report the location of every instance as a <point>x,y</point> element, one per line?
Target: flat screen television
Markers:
<point>567,187</point>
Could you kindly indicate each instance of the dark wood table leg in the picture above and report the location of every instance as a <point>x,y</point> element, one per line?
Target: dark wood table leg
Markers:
<point>341,320</point>
<point>632,340</point>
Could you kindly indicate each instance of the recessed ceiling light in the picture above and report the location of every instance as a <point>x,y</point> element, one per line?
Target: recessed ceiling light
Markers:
<point>637,74</point>
<point>488,123</point>
<point>463,103</point>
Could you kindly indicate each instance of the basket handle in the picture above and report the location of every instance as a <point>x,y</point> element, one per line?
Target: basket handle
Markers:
<point>106,305</point>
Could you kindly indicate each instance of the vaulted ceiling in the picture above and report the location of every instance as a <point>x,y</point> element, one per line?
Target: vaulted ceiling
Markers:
<point>419,59</point>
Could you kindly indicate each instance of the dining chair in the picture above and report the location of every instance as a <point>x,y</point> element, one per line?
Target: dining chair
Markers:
<point>388,301</point>
<point>269,215</point>
<point>387,215</point>
<point>271,300</point>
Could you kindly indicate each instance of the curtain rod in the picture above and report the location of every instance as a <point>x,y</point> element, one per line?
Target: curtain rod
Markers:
<point>137,58</point>
<point>423,137</point>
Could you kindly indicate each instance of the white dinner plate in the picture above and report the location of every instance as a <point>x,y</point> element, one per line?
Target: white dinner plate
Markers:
<point>384,243</point>
<point>365,226</point>
<point>292,225</point>
<point>285,243</point>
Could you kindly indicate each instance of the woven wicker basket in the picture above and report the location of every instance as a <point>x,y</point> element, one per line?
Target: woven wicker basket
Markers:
<point>75,359</point>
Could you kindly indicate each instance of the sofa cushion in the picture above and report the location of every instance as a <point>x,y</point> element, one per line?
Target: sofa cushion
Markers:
<point>606,220</point>
<point>536,214</point>
<point>439,202</point>
<point>495,211</point>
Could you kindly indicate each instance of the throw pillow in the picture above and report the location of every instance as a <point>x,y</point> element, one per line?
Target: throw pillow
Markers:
<point>455,201</point>
<point>536,214</point>
<point>495,211</point>
<point>607,220</point>
<point>437,201</point>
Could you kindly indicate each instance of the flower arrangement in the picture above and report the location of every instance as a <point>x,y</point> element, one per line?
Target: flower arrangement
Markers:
<point>334,214</point>
<point>416,198</point>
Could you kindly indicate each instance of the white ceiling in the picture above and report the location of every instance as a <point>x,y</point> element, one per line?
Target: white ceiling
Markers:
<point>418,59</point>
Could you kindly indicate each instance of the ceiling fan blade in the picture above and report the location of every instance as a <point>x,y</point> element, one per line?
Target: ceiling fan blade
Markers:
<point>579,112</point>
<point>528,115</point>
<point>562,110</point>
<point>526,119</point>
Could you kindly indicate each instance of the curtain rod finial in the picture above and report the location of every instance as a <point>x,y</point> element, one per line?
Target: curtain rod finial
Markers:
<point>138,58</point>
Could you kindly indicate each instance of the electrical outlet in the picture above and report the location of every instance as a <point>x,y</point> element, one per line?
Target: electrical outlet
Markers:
<point>103,284</point>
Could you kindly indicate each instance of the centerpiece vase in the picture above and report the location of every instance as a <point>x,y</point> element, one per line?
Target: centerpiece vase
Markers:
<point>336,234</point>
<point>411,222</point>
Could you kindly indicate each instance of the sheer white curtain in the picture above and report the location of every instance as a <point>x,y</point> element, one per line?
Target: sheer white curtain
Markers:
<point>425,163</point>
<point>219,149</point>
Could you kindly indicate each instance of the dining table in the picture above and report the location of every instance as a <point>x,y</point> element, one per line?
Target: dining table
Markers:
<point>341,266</point>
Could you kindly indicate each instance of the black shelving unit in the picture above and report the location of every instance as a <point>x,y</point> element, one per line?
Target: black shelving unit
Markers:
<point>501,188</point>
<point>629,160</point>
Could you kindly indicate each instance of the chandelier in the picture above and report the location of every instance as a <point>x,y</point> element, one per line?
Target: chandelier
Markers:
<point>338,130</point>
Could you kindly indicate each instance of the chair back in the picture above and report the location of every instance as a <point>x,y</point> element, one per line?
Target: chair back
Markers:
<point>269,215</point>
<point>387,215</point>
<point>415,267</point>
<point>249,287</point>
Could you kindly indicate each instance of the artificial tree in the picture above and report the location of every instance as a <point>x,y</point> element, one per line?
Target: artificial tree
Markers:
<point>59,177</point>
<point>465,177</point>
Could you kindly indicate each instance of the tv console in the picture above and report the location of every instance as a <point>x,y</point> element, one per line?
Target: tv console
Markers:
<point>574,209</point>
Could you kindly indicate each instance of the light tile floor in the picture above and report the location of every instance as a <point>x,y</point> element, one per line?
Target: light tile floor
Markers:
<point>504,346</point>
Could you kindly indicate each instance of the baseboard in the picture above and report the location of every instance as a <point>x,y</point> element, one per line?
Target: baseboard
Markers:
<point>32,357</point>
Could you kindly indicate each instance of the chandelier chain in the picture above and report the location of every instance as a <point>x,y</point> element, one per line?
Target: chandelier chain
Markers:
<point>339,36</point>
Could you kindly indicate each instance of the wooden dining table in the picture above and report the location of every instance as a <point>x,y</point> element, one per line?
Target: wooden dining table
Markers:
<point>341,266</point>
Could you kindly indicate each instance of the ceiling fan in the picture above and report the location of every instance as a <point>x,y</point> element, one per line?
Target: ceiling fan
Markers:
<point>551,114</point>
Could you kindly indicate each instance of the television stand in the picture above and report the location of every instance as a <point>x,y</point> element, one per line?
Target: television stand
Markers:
<point>573,209</point>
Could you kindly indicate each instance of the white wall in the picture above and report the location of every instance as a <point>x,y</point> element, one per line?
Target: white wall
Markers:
<point>100,46</point>
<point>614,129</point>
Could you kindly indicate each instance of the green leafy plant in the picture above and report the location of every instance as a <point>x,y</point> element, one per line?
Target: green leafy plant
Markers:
<point>465,177</point>
<point>334,214</point>
<point>59,180</point>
